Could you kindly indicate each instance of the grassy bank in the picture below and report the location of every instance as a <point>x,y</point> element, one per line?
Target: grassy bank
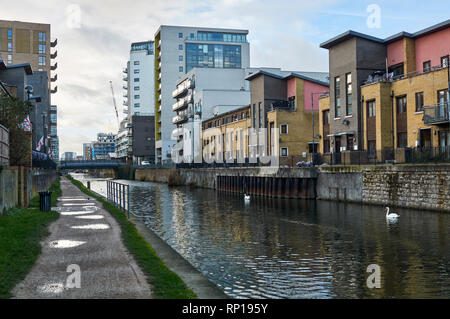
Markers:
<point>166,284</point>
<point>21,231</point>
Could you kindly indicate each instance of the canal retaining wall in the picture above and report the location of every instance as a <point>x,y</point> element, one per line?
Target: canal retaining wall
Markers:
<point>412,186</point>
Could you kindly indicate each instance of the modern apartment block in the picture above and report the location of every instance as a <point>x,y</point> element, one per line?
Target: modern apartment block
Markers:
<point>68,156</point>
<point>30,43</point>
<point>139,101</point>
<point>122,141</point>
<point>87,151</point>
<point>103,146</point>
<point>178,50</point>
<point>200,94</point>
<point>388,94</point>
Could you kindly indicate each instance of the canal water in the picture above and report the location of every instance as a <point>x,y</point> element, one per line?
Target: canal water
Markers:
<point>278,248</point>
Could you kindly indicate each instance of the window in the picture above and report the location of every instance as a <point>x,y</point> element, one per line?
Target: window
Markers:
<point>180,69</point>
<point>371,108</point>
<point>402,140</point>
<point>348,80</point>
<point>9,35</point>
<point>137,62</point>
<point>419,102</point>
<point>261,115</point>
<point>401,104</point>
<point>137,88</point>
<point>427,66</point>
<point>9,46</point>
<point>350,140</point>
<point>254,115</point>
<point>180,35</point>
<point>41,48</point>
<point>291,102</point>
<point>9,58</point>
<point>42,37</point>
<point>180,47</point>
<point>192,36</point>
<point>283,129</point>
<point>312,148</point>
<point>326,117</point>
<point>284,152</point>
<point>41,60</point>
<point>137,80</point>
<point>444,61</point>
<point>180,58</point>
<point>137,71</point>
<point>221,37</point>
<point>371,147</point>
<point>326,145</point>
<point>212,56</point>
<point>337,96</point>
<point>137,105</point>
<point>137,97</point>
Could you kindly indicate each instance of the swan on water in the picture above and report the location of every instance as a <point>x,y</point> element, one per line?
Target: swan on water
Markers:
<point>247,197</point>
<point>391,216</point>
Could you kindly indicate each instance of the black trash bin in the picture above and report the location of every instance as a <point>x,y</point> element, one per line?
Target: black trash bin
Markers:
<point>45,201</point>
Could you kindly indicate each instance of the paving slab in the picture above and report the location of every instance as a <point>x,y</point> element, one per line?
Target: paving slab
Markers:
<point>94,246</point>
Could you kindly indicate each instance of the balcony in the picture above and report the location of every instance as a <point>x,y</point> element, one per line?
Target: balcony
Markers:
<point>54,43</point>
<point>159,87</point>
<point>54,79</point>
<point>125,95</point>
<point>53,108</point>
<point>159,44</point>
<point>182,89</point>
<point>125,70</point>
<point>125,111</point>
<point>159,66</point>
<point>159,55</point>
<point>125,87</point>
<point>54,90</point>
<point>129,125</point>
<point>436,114</point>
<point>177,132</point>
<point>125,78</point>
<point>54,55</point>
<point>159,98</point>
<point>54,67</point>
<point>159,77</point>
<point>129,134</point>
<point>179,119</point>
<point>159,109</point>
<point>125,103</point>
<point>183,103</point>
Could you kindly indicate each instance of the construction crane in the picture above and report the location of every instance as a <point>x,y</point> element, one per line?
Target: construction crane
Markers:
<point>115,104</point>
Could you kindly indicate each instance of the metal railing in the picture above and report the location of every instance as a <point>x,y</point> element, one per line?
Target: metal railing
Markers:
<point>119,195</point>
<point>436,114</point>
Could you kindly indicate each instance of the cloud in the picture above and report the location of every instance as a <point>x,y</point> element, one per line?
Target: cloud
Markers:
<point>90,56</point>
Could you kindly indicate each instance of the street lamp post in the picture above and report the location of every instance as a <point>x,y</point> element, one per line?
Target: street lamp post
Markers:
<point>312,119</point>
<point>44,131</point>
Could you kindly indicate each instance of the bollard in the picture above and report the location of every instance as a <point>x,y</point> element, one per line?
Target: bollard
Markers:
<point>88,185</point>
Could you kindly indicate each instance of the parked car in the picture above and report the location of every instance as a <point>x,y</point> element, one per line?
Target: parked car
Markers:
<point>145,163</point>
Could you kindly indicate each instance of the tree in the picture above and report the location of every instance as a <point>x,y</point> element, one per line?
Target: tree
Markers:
<point>12,114</point>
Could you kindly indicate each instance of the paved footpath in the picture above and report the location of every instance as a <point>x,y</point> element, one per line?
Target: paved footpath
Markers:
<point>88,237</point>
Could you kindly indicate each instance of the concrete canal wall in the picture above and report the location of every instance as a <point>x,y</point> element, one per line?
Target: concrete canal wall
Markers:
<point>410,186</point>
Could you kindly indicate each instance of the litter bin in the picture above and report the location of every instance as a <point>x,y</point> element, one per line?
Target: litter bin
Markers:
<point>45,201</point>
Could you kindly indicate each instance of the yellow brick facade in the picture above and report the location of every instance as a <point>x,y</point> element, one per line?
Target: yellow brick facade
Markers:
<point>386,116</point>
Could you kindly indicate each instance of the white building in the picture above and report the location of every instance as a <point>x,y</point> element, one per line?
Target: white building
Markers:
<point>178,50</point>
<point>139,98</point>
<point>201,94</point>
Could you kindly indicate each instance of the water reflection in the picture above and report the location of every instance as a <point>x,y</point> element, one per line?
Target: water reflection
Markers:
<point>274,248</point>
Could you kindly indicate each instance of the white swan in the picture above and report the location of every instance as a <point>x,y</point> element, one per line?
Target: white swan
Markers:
<point>391,216</point>
<point>246,197</point>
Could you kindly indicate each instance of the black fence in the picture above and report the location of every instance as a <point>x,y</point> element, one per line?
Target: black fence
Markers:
<point>42,160</point>
<point>386,156</point>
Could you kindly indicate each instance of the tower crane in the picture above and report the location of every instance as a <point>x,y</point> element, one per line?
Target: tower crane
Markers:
<point>115,104</point>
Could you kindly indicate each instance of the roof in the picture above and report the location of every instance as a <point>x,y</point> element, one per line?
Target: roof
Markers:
<point>351,34</point>
<point>316,77</point>
<point>26,66</point>
<point>240,109</point>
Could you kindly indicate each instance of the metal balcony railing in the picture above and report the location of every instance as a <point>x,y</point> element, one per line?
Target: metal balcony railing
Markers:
<point>54,43</point>
<point>436,114</point>
<point>179,119</point>
<point>54,67</point>
<point>54,55</point>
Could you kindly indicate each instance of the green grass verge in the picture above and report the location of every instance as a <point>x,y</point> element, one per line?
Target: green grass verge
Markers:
<point>21,231</point>
<point>55,188</point>
<point>166,284</point>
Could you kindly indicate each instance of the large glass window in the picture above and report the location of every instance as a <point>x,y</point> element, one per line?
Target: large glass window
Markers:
<point>41,48</point>
<point>419,102</point>
<point>42,37</point>
<point>9,34</point>
<point>212,56</point>
<point>348,80</point>
<point>337,96</point>
<point>41,60</point>
<point>261,115</point>
<point>221,37</point>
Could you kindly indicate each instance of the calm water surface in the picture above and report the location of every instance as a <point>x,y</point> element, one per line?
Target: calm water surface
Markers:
<point>277,248</point>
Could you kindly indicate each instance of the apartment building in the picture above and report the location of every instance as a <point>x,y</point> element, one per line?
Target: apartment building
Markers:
<point>282,112</point>
<point>225,136</point>
<point>103,146</point>
<point>401,95</point>
<point>122,141</point>
<point>87,151</point>
<point>178,50</point>
<point>139,100</point>
<point>24,43</point>
<point>201,94</point>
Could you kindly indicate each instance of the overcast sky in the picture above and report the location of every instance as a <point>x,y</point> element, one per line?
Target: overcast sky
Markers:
<point>282,33</point>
